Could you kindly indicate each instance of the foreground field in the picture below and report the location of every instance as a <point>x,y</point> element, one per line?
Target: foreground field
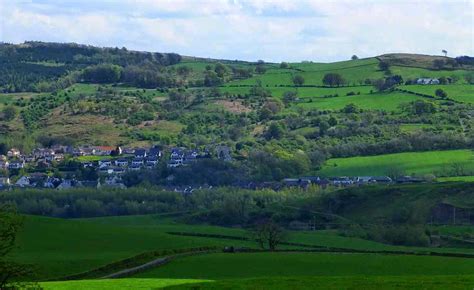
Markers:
<point>71,247</point>
<point>432,162</point>
<point>106,284</point>
<point>247,265</point>
<point>342,282</point>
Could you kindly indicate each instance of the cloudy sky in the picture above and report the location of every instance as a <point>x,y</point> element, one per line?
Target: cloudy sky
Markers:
<point>272,30</point>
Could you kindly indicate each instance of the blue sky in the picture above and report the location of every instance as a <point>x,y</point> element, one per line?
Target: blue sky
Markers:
<point>272,30</point>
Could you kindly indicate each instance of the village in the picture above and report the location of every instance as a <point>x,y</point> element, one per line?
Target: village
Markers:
<point>40,168</point>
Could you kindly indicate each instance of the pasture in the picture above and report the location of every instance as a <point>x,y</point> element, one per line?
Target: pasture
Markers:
<point>411,163</point>
<point>251,265</point>
<point>461,93</point>
<point>279,283</point>
<point>106,284</point>
<point>74,246</point>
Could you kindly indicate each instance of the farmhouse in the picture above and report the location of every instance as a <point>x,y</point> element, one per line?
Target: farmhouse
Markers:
<point>427,81</point>
<point>16,165</point>
<point>104,150</point>
<point>121,162</point>
<point>12,153</point>
<point>24,181</point>
<point>104,163</point>
<point>140,153</point>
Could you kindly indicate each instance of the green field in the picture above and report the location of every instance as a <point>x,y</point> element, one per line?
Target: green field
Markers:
<point>432,162</point>
<point>456,178</point>
<point>74,246</point>
<point>321,282</point>
<point>461,93</point>
<point>111,284</point>
<point>249,265</point>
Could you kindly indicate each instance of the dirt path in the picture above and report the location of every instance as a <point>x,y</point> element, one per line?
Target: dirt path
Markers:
<point>152,264</point>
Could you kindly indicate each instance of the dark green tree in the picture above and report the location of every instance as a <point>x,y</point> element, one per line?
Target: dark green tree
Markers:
<point>333,80</point>
<point>298,80</point>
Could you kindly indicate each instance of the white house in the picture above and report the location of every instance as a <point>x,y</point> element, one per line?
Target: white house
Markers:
<point>12,153</point>
<point>24,181</point>
<point>427,81</point>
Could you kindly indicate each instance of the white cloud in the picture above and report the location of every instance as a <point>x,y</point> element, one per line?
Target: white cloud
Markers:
<point>248,29</point>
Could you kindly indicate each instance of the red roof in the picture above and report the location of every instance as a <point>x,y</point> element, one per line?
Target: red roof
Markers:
<point>105,148</point>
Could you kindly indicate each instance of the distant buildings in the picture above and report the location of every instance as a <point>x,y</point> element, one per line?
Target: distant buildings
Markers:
<point>427,81</point>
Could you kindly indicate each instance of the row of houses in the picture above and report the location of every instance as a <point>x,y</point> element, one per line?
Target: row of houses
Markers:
<point>343,181</point>
<point>39,180</point>
<point>182,156</point>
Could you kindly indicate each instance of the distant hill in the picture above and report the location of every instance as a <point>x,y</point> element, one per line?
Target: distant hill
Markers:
<point>423,61</point>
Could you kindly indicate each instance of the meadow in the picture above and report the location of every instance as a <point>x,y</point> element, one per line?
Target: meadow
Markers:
<point>73,246</point>
<point>278,283</point>
<point>462,93</point>
<point>411,163</point>
<point>106,284</point>
<point>250,265</point>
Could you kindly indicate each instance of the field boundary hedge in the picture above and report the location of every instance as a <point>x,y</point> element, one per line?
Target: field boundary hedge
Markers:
<point>315,248</point>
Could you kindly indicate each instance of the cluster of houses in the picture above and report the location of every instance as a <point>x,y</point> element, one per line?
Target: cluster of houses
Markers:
<point>111,163</point>
<point>42,180</point>
<point>39,157</point>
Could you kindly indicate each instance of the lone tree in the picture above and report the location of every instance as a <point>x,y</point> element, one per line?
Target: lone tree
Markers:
<point>354,57</point>
<point>333,80</point>
<point>269,235</point>
<point>445,52</point>
<point>298,80</point>
<point>10,223</point>
<point>441,94</point>
<point>284,65</point>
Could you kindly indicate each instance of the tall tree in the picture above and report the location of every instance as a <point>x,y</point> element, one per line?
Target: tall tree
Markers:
<point>298,80</point>
<point>333,80</point>
<point>10,223</point>
<point>269,235</point>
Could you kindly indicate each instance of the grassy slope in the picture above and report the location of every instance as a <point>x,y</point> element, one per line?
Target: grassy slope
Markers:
<point>116,284</point>
<point>72,246</point>
<point>411,163</point>
<point>361,282</point>
<point>248,265</point>
<point>461,93</point>
<point>321,282</point>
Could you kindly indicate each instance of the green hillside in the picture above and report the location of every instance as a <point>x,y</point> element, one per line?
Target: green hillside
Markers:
<point>439,163</point>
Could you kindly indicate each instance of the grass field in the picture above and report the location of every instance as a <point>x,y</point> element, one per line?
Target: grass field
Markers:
<point>375,101</point>
<point>354,282</point>
<point>73,246</point>
<point>321,282</point>
<point>432,162</point>
<point>461,93</point>
<point>456,178</point>
<point>112,284</point>
<point>249,265</point>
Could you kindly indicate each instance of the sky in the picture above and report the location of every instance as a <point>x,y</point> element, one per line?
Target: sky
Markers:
<point>271,30</point>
